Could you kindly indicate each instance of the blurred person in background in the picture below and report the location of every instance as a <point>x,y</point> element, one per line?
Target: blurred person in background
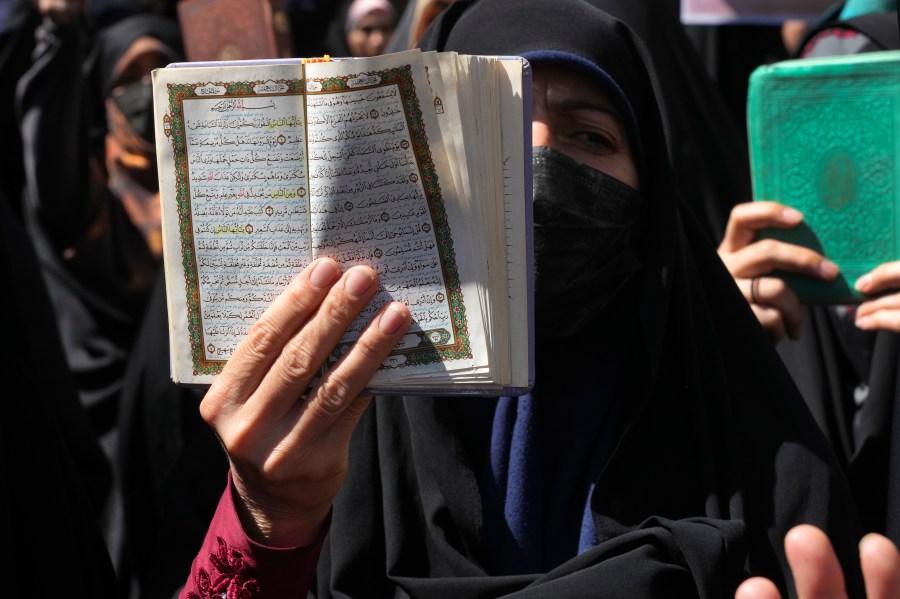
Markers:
<point>369,26</point>
<point>91,204</point>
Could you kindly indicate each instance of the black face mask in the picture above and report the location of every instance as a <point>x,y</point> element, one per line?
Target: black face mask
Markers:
<point>584,233</point>
<point>135,100</point>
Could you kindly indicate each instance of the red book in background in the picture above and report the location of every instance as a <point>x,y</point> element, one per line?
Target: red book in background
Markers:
<point>234,29</point>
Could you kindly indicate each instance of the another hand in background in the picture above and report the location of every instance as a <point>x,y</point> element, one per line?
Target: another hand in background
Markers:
<point>287,435</point>
<point>817,573</point>
<point>749,261</point>
<point>882,313</point>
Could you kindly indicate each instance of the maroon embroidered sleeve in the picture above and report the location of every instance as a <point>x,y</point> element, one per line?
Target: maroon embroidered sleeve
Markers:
<point>230,565</point>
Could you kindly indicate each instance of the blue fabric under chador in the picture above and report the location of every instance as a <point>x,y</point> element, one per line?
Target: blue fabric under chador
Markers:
<point>545,454</point>
<point>513,447</point>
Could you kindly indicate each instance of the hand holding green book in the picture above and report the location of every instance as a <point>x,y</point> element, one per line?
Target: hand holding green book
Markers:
<point>824,140</point>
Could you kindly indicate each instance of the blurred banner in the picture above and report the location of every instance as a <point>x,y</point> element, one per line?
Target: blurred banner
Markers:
<point>761,12</point>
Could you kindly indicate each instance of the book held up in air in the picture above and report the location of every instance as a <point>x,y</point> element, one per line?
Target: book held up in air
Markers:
<point>417,164</point>
<point>825,139</point>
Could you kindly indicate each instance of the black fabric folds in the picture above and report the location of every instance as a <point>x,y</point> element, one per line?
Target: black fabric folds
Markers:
<point>709,150</point>
<point>54,475</point>
<point>112,43</point>
<point>831,363</point>
<point>717,458</point>
<point>110,46</point>
<point>157,421</point>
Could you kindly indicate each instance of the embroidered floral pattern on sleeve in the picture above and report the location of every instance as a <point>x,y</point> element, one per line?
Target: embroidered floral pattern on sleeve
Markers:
<point>234,580</point>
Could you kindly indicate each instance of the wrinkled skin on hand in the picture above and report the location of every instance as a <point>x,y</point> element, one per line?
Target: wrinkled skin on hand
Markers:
<point>287,429</point>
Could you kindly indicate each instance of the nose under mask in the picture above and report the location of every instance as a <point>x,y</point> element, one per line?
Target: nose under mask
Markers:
<point>585,225</point>
<point>135,100</point>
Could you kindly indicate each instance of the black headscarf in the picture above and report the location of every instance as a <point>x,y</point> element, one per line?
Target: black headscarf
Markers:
<point>715,458</point>
<point>849,379</point>
<point>709,149</point>
<point>110,45</point>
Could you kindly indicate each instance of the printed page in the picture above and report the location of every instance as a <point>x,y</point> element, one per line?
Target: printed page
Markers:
<point>268,170</point>
<point>382,193</point>
<point>241,228</point>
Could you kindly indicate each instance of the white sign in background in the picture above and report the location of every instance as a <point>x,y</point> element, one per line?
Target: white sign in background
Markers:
<point>760,12</point>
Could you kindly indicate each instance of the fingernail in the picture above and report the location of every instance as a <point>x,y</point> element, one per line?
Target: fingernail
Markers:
<point>828,269</point>
<point>789,214</point>
<point>865,323</point>
<point>863,283</point>
<point>867,536</point>
<point>391,320</point>
<point>358,282</point>
<point>324,274</point>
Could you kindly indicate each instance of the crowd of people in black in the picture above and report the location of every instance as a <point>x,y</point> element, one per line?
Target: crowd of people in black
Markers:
<point>695,432</point>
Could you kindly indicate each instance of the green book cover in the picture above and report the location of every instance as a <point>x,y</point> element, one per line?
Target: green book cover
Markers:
<point>824,139</point>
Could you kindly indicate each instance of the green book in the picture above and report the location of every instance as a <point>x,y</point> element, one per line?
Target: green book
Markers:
<point>824,139</point>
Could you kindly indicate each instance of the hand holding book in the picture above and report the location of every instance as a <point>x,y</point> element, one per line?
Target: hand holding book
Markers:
<point>286,428</point>
<point>883,312</point>
<point>823,140</point>
<point>412,163</point>
<point>752,262</point>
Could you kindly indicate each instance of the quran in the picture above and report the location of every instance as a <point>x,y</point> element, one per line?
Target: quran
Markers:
<point>234,29</point>
<point>417,164</point>
<point>824,139</point>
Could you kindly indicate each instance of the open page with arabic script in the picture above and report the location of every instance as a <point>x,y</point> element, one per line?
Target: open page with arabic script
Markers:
<point>265,167</point>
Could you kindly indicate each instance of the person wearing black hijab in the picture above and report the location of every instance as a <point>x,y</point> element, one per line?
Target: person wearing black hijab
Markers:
<point>649,460</point>
<point>844,359</point>
<point>710,158</point>
<point>90,201</point>
<point>89,188</point>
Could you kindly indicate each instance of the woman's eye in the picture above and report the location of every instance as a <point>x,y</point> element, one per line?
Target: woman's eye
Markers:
<point>594,138</point>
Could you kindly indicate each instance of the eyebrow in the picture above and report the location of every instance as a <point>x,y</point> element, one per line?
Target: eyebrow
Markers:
<point>570,104</point>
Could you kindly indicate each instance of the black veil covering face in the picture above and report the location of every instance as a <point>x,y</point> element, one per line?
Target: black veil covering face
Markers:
<point>714,456</point>
<point>110,46</point>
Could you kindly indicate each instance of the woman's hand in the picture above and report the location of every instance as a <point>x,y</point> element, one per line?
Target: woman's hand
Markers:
<point>882,313</point>
<point>749,261</point>
<point>287,434</point>
<point>817,572</point>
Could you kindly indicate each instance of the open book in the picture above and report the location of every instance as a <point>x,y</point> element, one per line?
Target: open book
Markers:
<point>825,139</point>
<point>416,163</point>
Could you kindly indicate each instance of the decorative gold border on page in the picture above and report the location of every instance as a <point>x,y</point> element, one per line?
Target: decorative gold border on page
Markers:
<point>177,94</point>
<point>434,347</point>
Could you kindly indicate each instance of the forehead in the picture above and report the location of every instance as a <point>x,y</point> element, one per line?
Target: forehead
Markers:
<point>375,17</point>
<point>555,87</point>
